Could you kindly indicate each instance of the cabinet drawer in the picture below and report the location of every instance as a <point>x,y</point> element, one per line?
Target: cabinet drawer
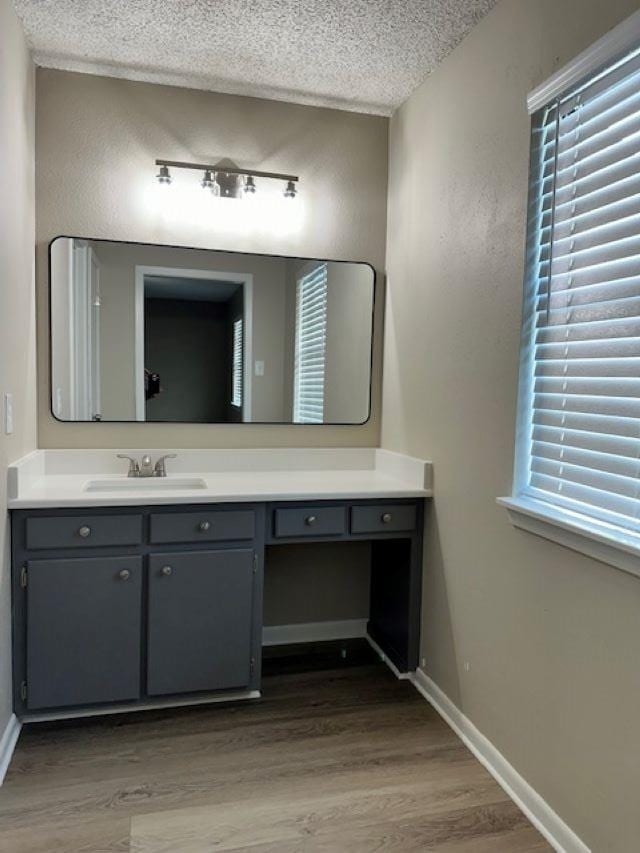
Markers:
<point>310,521</point>
<point>205,526</point>
<point>383,519</point>
<point>83,531</point>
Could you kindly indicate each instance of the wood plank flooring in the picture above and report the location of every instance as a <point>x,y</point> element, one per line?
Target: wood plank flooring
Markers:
<point>332,761</point>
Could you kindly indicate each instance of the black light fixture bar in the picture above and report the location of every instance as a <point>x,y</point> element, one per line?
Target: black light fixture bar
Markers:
<point>227,170</point>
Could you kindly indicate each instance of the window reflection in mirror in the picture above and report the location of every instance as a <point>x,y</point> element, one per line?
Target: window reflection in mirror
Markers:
<point>169,334</point>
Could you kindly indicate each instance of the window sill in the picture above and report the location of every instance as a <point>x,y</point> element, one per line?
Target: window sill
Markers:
<point>613,545</point>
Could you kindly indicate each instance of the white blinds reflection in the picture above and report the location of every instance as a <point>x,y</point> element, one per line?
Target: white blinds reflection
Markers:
<point>237,363</point>
<point>310,347</point>
<point>585,337</point>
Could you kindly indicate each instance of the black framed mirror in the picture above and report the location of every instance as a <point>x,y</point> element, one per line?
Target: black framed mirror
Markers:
<point>157,333</point>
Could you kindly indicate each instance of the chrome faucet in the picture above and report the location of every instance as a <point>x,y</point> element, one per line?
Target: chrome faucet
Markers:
<point>145,468</point>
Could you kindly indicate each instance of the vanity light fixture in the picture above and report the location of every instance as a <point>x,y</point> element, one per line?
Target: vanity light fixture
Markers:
<point>213,175</point>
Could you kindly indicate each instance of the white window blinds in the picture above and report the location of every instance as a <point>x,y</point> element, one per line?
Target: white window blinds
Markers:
<point>580,386</point>
<point>310,347</point>
<point>237,364</point>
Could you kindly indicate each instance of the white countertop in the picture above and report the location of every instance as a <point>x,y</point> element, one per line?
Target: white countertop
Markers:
<point>223,487</point>
<point>57,478</point>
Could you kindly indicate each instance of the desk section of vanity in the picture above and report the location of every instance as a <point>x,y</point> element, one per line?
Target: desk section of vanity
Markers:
<point>129,607</point>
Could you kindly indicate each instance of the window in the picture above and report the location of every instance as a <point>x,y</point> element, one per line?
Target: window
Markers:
<point>310,347</point>
<point>578,445</point>
<point>236,364</point>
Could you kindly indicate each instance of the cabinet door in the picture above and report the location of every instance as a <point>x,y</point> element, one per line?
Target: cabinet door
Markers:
<point>83,631</point>
<point>200,621</point>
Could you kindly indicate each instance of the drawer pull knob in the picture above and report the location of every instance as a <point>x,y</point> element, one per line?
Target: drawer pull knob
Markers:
<point>204,526</point>
<point>310,519</point>
<point>166,571</point>
<point>386,517</point>
<point>84,531</point>
<point>124,574</point>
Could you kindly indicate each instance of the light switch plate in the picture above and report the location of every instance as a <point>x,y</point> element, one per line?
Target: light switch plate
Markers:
<point>259,368</point>
<point>8,413</point>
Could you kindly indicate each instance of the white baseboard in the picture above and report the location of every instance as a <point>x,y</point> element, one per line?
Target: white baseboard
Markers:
<point>560,836</point>
<point>8,743</point>
<point>313,632</point>
<point>403,676</point>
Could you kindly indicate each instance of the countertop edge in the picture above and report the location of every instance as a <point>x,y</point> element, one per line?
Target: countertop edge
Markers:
<point>195,498</point>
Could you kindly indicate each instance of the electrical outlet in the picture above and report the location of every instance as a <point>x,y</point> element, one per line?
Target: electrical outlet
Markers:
<point>8,413</point>
<point>423,663</point>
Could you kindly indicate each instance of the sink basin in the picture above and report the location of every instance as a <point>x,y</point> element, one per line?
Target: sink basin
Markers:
<point>146,484</point>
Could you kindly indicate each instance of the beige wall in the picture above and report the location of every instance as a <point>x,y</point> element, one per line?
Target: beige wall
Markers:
<point>269,336</point>
<point>316,583</point>
<point>116,266</point>
<point>348,359</point>
<point>96,142</point>
<point>552,638</point>
<point>17,313</point>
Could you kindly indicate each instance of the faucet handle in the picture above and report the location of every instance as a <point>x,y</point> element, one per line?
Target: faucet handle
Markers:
<point>134,468</point>
<point>160,469</point>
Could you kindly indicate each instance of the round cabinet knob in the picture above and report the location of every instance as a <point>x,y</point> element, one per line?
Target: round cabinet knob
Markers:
<point>166,570</point>
<point>84,531</point>
<point>310,519</point>
<point>386,517</point>
<point>124,574</point>
<point>204,526</point>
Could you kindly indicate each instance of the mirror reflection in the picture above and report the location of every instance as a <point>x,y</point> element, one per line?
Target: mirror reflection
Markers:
<point>152,333</point>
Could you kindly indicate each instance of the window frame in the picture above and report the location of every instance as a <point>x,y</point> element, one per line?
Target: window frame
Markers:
<point>616,545</point>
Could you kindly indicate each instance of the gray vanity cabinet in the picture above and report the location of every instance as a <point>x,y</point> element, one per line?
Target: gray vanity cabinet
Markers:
<point>131,607</point>
<point>83,631</point>
<point>128,607</point>
<point>200,621</point>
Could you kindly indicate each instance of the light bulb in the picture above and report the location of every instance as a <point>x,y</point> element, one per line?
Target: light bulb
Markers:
<point>163,176</point>
<point>208,181</point>
<point>249,185</point>
<point>291,191</point>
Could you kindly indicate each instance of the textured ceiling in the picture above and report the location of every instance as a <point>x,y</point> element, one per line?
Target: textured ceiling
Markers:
<point>364,55</point>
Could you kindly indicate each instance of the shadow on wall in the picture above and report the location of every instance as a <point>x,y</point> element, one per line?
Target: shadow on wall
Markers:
<point>437,624</point>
